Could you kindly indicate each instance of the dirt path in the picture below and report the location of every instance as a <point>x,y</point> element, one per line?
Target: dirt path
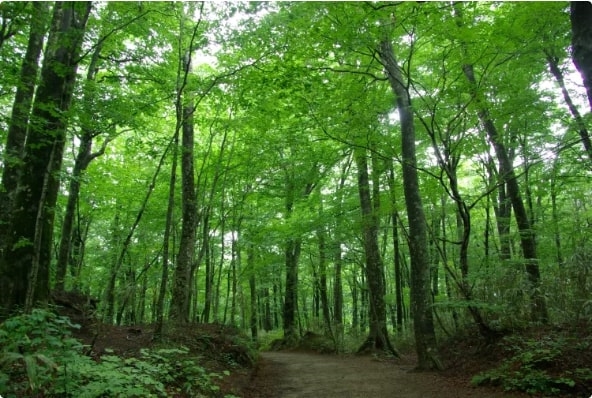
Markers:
<point>303,375</point>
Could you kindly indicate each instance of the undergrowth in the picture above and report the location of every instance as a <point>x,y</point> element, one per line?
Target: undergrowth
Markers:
<point>537,366</point>
<point>39,357</point>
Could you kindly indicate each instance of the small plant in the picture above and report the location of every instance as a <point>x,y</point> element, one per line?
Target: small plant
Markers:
<point>39,357</point>
<point>526,370</point>
<point>30,344</point>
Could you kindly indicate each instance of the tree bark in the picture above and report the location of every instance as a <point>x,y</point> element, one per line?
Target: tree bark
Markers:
<point>17,129</point>
<point>396,253</point>
<point>26,240</point>
<point>181,281</point>
<point>581,42</point>
<point>378,336</point>
<point>252,290</point>
<point>580,124</point>
<point>421,299</point>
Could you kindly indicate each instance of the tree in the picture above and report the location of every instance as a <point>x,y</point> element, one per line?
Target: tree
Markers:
<point>17,131</point>
<point>508,176</point>
<point>24,268</point>
<point>378,336</point>
<point>185,107</point>
<point>581,22</point>
<point>425,337</point>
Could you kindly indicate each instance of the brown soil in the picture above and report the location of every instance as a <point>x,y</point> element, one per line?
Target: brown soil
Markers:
<point>307,373</point>
<point>302,374</point>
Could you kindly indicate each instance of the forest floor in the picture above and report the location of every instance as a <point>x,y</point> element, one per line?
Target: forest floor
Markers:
<point>305,372</point>
<point>310,375</point>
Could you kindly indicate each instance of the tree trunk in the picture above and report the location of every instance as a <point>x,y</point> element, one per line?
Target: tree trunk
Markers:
<point>527,234</point>
<point>421,299</point>
<point>323,280</point>
<point>292,254</point>
<point>17,129</point>
<point>42,161</point>
<point>553,62</point>
<point>83,159</point>
<point>396,252</point>
<point>378,336</point>
<point>181,280</point>
<point>502,209</point>
<point>252,290</point>
<point>581,42</point>
<point>166,241</point>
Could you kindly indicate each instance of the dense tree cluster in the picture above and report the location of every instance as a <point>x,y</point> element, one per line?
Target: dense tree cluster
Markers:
<point>350,167</point>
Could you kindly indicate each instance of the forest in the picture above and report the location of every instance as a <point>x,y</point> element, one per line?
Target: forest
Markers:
<point>382,176</point>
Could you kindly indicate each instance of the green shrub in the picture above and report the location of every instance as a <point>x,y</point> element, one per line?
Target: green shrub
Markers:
<point>39,357</point>
<point>526,369</point>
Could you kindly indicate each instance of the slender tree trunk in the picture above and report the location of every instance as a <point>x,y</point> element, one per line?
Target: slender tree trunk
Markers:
<point>581,42</point>
<point>181,286</point>
<point>292,254</point>
<point>184,107</point>
<point>378,336</point>
<point>83,159</point>
<point>527,235</point>
<point>166,241</point>
<point>421,299</point>
<point>396,252</point>
<point>292,250</point>
<point>323,281</point>
<point>209,278</point>
<point>502,209</point>
<point>252,290</point>
<point>555,215</point>
<point>118,262</point>
<point>353,285</point>
<point>553,62</point>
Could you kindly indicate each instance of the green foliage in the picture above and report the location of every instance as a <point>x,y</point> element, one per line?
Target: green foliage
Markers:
<point>30,345</point>
<point>527,369</point>
<point>39,356</point>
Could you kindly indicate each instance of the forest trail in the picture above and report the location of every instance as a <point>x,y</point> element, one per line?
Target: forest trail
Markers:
<point>304,375</point>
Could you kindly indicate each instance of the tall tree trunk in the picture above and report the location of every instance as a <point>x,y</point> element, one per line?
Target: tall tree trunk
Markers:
<point>449,162</point>
<point>421,299</point>
<point>83,159</point>
<point>508,175</point>
<point>252,290</point>
<point>527,234</point>
<point>166,241</point>
<point>323,280</point>
<point>396,251</point>
<point>292,250</point>
<point>42,161</point>
<point>209,279</point>
<point>184,108</point>
<point>21,108</point>
<point>581,42</point>
<point>292,254</point>
<point>378,336</point>
<point>118,261</point>
<point>553,62</point>
<point>181,281</point>
<point>555,214</point>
